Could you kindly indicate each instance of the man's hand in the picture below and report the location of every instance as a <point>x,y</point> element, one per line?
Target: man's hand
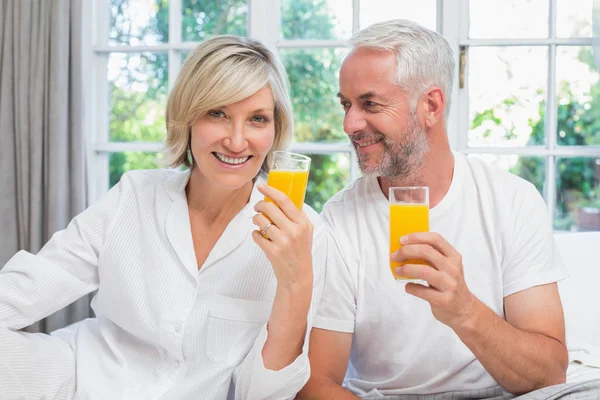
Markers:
<point>451,301</point>
<point>522,353</point>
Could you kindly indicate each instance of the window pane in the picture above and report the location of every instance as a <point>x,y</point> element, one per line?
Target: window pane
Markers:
<point>507,87</point>
<point>422,12</point>
<point>137,96</point>
<point>532,169</point>
<point>316,19</point>
<point>508,18</point>
<point>578,95</point>
<point>578,194</point>
<point>138,22</point>
<point>202,19</point>
<point>313,78</point>
<point>574,18</point>
<point>119,163</point>
<point>329,173</point>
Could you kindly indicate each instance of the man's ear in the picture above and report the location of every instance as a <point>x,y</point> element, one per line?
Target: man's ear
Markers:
<point>435,104</point>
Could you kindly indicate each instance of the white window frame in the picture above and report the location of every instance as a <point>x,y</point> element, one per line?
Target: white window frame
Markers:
<point>456,30</point>
<point>263,24</point>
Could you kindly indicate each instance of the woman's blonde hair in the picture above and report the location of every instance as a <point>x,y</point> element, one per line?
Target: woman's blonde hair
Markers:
<point>221,71</point>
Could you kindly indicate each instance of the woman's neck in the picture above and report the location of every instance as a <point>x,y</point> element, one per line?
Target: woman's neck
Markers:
<point>212,203</point>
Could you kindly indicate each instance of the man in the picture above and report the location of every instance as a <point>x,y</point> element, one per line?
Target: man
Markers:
<point>491,319</point>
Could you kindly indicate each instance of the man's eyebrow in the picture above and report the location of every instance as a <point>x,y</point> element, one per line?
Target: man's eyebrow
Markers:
<point>368,95</point>
<point>364,96</point>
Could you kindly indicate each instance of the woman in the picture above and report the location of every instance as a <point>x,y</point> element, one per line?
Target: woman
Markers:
<point>191,303</point>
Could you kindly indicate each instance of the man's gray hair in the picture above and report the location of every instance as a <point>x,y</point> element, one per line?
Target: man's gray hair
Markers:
<point>424,57</point>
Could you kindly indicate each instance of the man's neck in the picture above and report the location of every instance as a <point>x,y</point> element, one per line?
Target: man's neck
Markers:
<point>436,172</point>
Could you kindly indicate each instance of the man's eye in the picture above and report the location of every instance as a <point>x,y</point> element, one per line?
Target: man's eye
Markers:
<point>345,104</point>
<point>370,104</point>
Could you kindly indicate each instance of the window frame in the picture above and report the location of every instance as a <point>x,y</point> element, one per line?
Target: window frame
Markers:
<point>456,22</point>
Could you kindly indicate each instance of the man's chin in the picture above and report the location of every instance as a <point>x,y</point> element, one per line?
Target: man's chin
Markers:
<point>369,169</point>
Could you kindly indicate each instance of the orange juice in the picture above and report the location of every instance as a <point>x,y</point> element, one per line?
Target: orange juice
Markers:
<point>292,183</point>
<point>406,218</point>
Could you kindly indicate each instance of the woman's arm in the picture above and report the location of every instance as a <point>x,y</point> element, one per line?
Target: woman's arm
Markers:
<point>65,269</point>
<point>33,287</point>
<point>277,366</point>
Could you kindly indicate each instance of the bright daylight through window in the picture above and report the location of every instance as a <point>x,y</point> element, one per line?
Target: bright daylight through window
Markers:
<point>526,97</point>
<point>533,100</point>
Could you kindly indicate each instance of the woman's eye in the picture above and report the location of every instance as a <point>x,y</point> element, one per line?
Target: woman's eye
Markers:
<point>216,114</point>
<point>259,119</point>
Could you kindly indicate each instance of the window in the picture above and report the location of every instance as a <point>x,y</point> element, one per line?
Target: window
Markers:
<point>526,98</point>
<point>529,100</point>
<point>140,45</point>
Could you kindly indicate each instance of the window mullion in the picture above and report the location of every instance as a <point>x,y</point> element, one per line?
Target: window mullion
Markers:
<point>551,123</point>
<point>304,43</point>
<point>550,187</point>
<point>462,20</point>
<point>175,22</point>
<point>99,104</point>
<point>439,15</point>
<point>552,19</point>
<point>451,29</point>
<point>355,16</point>
<point>264,21</point>
<point>354,170</point>
<point>527,42</point>
<point>114,147</point>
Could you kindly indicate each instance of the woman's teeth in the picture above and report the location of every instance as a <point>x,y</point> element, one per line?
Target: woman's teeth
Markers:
<point>231,160</point>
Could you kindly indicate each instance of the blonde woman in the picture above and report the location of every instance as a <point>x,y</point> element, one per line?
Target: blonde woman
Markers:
<point>193,302</point>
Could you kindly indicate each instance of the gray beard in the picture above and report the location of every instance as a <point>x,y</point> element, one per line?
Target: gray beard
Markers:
<point>400,159</point>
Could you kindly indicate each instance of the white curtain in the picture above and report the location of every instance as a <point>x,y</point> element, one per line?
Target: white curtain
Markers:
<point>42,153</point>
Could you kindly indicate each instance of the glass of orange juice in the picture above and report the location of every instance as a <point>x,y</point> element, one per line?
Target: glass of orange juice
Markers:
<point>409,213</point>
<point>289,174</point>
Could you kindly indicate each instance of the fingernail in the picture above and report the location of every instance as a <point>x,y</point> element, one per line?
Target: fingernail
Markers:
<point>261,185</point>
<point>404,239</point>
<point>399,271</point>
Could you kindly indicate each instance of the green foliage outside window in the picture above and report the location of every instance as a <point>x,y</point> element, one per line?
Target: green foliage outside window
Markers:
<point>578,124</point>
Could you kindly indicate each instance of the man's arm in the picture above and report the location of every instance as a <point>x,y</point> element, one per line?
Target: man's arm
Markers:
<point>527,351</point>
<point>328,354</point>
<point>523,353</point>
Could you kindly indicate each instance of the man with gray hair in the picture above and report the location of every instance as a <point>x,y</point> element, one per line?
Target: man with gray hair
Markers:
<point>489,319</point>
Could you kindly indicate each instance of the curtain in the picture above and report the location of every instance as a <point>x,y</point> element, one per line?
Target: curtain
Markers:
<point>42,147</point>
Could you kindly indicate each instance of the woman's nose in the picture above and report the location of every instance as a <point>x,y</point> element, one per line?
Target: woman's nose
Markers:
<point>236,141</point>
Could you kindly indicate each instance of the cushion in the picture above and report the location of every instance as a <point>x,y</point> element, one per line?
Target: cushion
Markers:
<point>580,295</point>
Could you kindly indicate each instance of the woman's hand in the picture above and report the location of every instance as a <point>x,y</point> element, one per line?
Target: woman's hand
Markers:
<point>288,245</point>
<point>288,238</point>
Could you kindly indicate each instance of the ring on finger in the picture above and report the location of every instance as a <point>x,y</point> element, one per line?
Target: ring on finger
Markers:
<point>264,231</point>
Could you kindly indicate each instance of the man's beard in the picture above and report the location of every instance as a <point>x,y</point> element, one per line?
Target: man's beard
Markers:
<point>399,159</point>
